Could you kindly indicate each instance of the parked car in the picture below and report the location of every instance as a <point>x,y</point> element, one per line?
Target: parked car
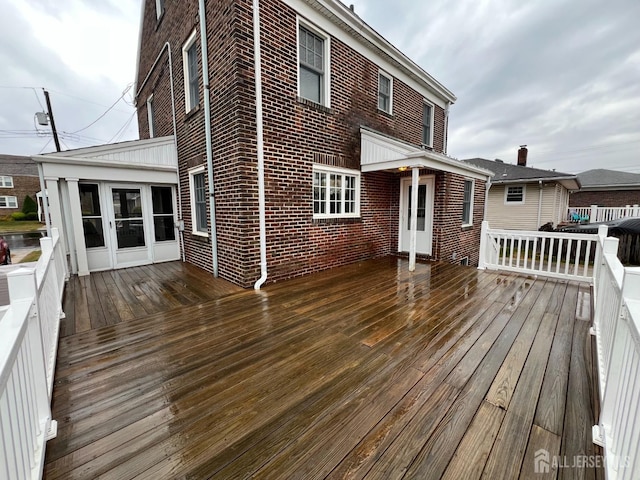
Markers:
<point>5,252</point>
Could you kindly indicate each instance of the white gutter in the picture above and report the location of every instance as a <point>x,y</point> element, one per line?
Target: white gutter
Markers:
<point>207,130</point>
<point>260,145</point>
<point>167,45</point>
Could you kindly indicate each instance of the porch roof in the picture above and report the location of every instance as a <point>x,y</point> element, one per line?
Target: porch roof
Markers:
<point>384,152</point>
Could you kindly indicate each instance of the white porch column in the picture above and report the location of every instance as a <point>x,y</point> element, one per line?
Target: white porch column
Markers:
<point>593,213</point>
<point>415,180</point>
<point>55,209</point>
<point>78,229</point>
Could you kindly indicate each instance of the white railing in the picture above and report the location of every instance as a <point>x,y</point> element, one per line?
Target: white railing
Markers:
<point>616,325</point>
<point>551,254</point>
<point>617,329</point>
<point>595,214</point>
<point>29,329</point>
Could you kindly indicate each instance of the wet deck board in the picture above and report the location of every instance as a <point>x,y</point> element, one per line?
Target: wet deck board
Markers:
<point>365,371</point>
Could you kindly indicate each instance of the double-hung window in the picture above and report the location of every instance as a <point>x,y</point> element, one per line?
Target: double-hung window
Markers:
<point>159,8</point>
<point>198,201</point>
<point>467,203</point>
<point>427,124</point>
<point>336,192</point>
<point>8,202</point>
<point>6,181</point>
<point>190,66</point>
<point>514,194</point>
<point>313,74</point>
<point>385,92</point>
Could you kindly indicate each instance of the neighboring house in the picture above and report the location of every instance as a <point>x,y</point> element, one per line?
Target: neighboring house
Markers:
<point>606,188</point>
<point>18,178</point>
<point>525,198</point>
<point>346,118</point>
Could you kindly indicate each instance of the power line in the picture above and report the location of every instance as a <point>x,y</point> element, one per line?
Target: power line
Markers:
<point>107,110</point>
<point>122,129</point>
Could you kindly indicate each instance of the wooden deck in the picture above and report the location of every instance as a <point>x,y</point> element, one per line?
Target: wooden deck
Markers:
<point>365,371</point>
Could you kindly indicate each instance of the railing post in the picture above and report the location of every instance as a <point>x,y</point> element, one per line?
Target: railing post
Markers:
<point>593,213</point>
<point>484,245</point>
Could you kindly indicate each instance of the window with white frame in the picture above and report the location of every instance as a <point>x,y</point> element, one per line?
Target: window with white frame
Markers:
<point>427,124</point>
<point>190,67</point>
<point>198,193</point>
<point>151,117</point>
<point>385,92</point>
<point>313,66</point>
<point>8,202</point>
<point>163,225</point>
<point>467,203</point>
<point>6,181</point>
<point>91,215</point>
<point>514,194</point>
<point>336,192</point>
<point>159,8</point>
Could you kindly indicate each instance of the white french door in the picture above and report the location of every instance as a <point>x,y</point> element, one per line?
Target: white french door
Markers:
<point>128,226</point>
<point>424,231</point>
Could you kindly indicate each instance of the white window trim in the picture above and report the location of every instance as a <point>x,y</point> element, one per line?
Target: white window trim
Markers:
<point>431,121</point>
<point>390,78</point>
<point>159,9</point>
<point>336,170</point>
<point>150,115</point>
<point>192,201</point>
<point>185,68</point>
<point>524,194</point>
<point>473,188</point>
<point>326,78</point>
<point>2,181</point>
<point>7,200</point>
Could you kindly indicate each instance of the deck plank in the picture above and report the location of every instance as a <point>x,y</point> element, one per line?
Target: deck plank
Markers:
<point>540,439</point>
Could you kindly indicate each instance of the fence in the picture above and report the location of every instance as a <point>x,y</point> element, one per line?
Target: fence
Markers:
<point>29,329</point>
<point>595,214</point>
<point>616,325</point>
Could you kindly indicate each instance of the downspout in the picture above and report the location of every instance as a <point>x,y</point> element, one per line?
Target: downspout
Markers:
<point>259,145</point>
<point>167,45</point>
<point>207,131</point>
<point>541,187</point>
<point>446,127</point>
<point>486,198</point>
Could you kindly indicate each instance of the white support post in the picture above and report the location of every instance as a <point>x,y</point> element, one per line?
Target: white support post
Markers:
<point>55,209</point>
<point>593,212</point>
<point>484,245</point>
<point>415,180</point>
<point>78,230</point>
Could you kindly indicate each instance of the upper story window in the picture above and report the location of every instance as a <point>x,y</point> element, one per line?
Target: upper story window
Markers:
<point>190,66</point>
<point>159,8</point>
<point>427,124</point>
<point>467,203</point>
<point>8,202</point>
<point>151,117</point>
<point>6,181</point>
<point>385,92</point>
<point>313,68</point>
<point>336,192</point>
<point>198,201</point>
<point>514,194</point>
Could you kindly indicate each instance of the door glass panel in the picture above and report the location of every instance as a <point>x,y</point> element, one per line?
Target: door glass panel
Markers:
<point>127,207</point>
<point>422,208</point>
<point>91,216</point>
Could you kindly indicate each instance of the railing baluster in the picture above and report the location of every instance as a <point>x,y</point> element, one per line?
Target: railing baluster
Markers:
<point>566,259</point>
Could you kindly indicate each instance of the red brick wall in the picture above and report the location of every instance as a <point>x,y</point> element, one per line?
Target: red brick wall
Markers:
<point>609,198</point>
<point>296,134</point>
<point>22,186</point>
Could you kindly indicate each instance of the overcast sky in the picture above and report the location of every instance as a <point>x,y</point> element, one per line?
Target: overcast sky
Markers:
<point>562,76</point>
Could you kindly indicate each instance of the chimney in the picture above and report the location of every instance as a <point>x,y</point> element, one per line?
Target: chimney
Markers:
<point>522,156</point>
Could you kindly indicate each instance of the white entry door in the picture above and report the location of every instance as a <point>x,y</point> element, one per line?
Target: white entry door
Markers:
<point>424,233</point>
<point>128,226</point>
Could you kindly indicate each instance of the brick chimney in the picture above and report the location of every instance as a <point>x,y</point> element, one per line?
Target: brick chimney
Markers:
<point>522,156</point>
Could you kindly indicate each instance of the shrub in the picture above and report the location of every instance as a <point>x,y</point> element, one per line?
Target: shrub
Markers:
<point>32,216</point>
<point>18,216</point>
<point>29,205</point>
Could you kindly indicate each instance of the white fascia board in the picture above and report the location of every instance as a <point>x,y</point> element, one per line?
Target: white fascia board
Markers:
<point>109,173</point>
<point>569,183</point>
<point>340,22</point>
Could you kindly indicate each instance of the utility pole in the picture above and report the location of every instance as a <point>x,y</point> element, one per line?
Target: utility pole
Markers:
<point>53,123</point>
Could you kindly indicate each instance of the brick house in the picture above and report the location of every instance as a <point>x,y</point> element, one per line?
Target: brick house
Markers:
<point>18,178</point>
<point>606,188</point>
<point>346,129</point>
